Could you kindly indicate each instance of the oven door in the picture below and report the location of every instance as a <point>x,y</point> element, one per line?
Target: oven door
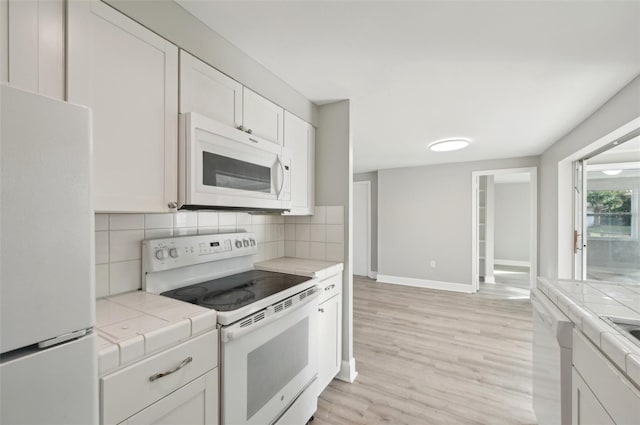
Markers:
<point>269,364</point>
<point>223,166</point>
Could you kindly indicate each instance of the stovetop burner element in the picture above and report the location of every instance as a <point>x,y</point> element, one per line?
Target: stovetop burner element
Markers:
<point>236,291</point>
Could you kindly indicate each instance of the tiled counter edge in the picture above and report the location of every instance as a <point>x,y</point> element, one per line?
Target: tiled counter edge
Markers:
<point>137,324</point>
<point>620,350</point>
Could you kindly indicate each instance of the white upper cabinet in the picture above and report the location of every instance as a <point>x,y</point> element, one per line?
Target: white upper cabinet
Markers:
<point>262,117</point>
<point>299,137</point>
<point>33,45</point>
<point>128,76</point>
<point>207,91</point>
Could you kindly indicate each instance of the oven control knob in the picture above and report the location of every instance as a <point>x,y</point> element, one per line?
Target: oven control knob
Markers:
<point>253,242</point>
<point>245,242</point>
<point>238,243</point>
<point>161,254</point>
<point>173,253</point>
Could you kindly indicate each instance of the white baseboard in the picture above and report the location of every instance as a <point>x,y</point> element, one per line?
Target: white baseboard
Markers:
<point>373,275</point>
<point>515,263</point>
<point>347,371</point>
<point>489,279</point>
<point>429,284</point>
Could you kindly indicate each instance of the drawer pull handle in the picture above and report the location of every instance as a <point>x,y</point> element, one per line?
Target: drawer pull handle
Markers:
<point>169,372</point>
<point>330,287</point>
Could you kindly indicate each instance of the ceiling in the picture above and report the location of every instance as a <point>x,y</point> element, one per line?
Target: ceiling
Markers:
<point>512,76</point>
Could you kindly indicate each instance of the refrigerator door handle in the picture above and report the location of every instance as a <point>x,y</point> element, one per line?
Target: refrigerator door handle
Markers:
<point>63,338</point>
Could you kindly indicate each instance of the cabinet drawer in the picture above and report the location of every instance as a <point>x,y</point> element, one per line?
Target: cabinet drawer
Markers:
<point>330,287</point>
<point>130,390</point>
<point>615,392</point>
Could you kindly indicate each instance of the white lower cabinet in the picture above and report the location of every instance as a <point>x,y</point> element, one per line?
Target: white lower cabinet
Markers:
<point>194,404</point>
<point>587,410</point>
<point>176,386</point>
<point>601,393</point>
<point>330,331</point>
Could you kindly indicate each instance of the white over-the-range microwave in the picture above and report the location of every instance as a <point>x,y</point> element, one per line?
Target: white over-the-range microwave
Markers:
<point>223,167</point>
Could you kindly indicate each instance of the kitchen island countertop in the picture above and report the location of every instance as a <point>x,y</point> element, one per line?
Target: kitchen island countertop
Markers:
<point>588,303</point>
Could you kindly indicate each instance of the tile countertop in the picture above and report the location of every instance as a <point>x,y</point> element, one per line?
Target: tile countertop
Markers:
<point>300,266</point>
<point>136,324</point>
<point>586,303</point>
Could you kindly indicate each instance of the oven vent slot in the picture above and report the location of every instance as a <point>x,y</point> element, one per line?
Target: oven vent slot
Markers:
<point>288,303</point>
<point>246,322</point>
<point>278,308</point>
<point>303,296</point>
<point>258,317</point>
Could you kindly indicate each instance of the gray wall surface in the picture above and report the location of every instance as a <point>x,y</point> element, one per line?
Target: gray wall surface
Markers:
<point>169,20</point>
<point>334,169</point>
<point>424,214</point>
<point>373,178</point>
<point>511,225</point>
<point>555,242</point>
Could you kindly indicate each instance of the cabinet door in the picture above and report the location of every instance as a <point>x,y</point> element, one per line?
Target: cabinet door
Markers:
<point>194,404</point>
<point>34,39</point>
<point>262,117</point>
<point>128,76</point>
<point>207,91</point>
<point>299,137</point>
<point>587,410</point>
<point>330,336</point>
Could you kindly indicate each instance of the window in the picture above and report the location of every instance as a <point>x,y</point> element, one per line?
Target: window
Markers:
<point>610,214</point>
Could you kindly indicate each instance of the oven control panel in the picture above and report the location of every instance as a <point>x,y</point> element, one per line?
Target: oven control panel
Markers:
<point>170,253</point>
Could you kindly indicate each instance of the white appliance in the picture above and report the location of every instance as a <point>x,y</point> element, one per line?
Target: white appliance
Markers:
<point>221,166</point>
<point>268,323</point>
<point>48,359</point>
<point>552,347</point>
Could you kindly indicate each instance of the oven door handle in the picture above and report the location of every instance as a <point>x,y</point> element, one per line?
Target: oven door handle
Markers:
<point>237,331</point>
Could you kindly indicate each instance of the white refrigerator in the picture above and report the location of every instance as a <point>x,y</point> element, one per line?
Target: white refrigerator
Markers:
<point>48,360</point>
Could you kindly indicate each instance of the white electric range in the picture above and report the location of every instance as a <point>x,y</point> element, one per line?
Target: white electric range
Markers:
<point>267,321</point>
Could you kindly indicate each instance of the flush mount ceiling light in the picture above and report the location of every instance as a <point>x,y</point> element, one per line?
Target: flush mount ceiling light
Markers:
<point>452,144</point>
<point>612,172</point>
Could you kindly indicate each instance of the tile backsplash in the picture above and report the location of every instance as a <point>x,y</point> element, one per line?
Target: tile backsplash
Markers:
<point>119,239</point>
<point>318,237</point>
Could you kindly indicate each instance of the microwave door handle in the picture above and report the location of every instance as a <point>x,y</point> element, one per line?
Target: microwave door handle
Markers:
<point>282,174</point>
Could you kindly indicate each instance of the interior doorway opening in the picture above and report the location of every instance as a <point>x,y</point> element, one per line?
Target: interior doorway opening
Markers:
<point>504,223</point>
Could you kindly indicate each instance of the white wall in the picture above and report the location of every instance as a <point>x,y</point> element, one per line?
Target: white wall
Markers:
<point>373,178</point>
<point>424,214</point>
<point>511,225</point>
<point>174,23</point>
<point>556,237</point>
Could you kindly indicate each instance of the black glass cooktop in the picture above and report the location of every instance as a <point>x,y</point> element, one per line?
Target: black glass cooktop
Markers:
<point>235,291</point>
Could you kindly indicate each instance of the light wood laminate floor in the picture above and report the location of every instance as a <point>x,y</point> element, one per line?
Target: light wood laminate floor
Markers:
<point>434,357</point>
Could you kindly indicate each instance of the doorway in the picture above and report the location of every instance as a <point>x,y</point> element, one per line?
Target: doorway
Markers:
<point>362,228</point>
<point>504,230</point>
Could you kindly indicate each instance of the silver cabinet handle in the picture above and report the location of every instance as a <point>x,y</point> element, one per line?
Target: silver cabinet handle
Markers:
<point>249,131</point>
<point>330,287</point>
<point>241,128</point>
<point>169,372</point>
<point>172,205</point>
<point>321,310</point>
<point>253,140</point>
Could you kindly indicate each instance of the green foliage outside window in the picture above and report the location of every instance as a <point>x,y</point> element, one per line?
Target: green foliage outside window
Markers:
<point>609,213</point>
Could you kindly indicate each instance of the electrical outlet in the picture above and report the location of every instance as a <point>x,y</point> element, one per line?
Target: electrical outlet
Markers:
<point>433,264</point>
